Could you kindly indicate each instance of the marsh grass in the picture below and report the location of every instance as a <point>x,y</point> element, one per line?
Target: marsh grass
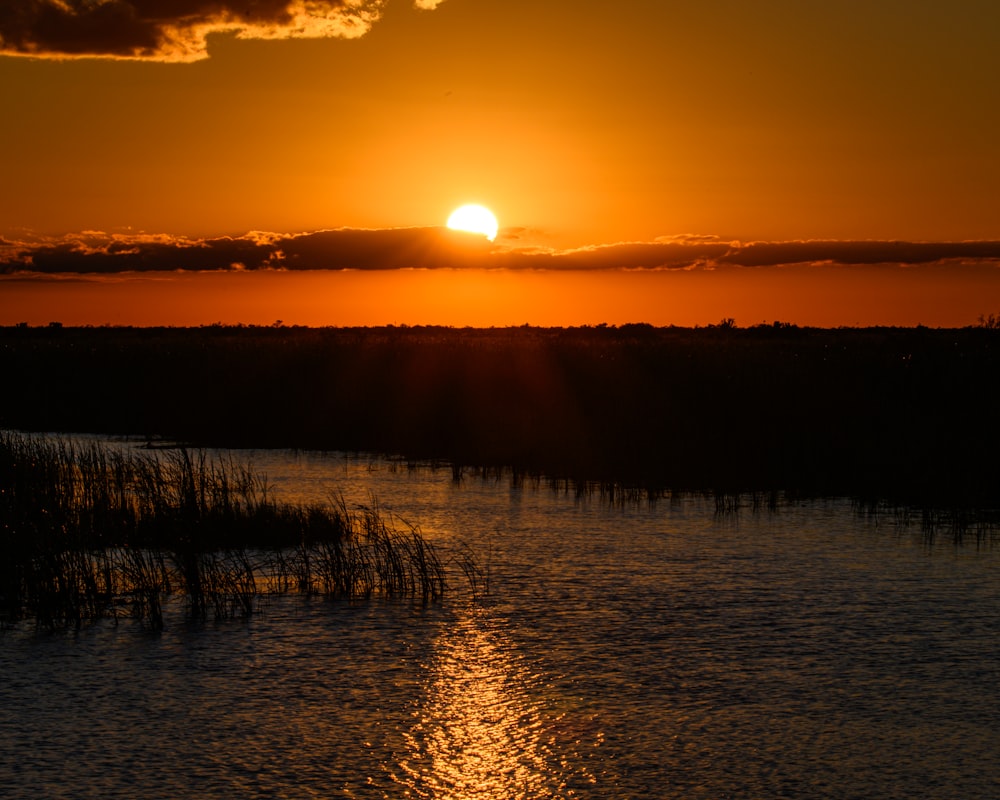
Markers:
<point>88,532</point>
<point>958,526</point>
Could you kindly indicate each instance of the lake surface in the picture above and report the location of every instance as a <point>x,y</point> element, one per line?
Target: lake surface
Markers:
<point>631,651</point>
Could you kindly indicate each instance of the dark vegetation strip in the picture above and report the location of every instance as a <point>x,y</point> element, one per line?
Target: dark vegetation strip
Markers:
<point>89,531</point>
<point>905,415</point>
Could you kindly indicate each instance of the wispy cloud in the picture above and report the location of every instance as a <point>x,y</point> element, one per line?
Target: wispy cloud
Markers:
<point>756,254</point>
<point>689,251</point>
<point>172,30</point>
<point>93,252</point>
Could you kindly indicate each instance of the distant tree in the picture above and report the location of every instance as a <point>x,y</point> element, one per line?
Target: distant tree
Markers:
<point>991,322</point>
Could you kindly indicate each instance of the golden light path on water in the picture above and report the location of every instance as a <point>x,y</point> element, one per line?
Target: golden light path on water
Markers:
<point>480,731</point>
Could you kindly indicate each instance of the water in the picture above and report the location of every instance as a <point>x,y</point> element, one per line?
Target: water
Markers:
<point>622,652</point>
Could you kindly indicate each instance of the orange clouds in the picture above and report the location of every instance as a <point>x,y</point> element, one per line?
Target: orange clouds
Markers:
<point>166,30</point>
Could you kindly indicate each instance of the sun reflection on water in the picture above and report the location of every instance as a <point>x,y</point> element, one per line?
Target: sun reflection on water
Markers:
<point>482,727</point>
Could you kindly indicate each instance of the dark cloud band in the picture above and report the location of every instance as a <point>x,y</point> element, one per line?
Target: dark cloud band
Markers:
<point>394,248</point>
<point>429,248</point>
<point>865,252</point>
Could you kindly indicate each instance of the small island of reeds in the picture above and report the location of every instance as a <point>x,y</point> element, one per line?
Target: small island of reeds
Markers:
<point>89,531</point>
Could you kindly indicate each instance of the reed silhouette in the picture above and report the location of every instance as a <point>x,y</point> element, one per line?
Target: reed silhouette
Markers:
<point>90,531</point>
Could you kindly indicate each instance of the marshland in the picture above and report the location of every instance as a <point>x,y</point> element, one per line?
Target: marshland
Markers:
<point>899,414</point>
<point>615,562</point>
<point>91,531</point>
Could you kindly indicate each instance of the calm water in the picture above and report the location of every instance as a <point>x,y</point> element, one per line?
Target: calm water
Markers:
<point>636,652</point>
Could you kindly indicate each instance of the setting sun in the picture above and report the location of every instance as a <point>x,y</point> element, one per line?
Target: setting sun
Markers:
<point>674,467</point>
<point>474,219</point>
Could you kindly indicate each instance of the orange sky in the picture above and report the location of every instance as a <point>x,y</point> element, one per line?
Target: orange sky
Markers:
<point>821,296</point>
<point>578,124</point>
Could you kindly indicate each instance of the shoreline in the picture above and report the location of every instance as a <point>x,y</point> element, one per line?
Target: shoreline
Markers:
<point>884,414</point>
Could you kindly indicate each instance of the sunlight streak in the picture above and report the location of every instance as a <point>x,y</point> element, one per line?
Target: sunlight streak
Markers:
<point>481,730</point>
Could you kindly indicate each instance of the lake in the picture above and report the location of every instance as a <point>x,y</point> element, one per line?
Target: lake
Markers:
<point>623,651</point>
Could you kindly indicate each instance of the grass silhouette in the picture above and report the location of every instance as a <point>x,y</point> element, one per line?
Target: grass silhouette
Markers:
<point>90,532</point>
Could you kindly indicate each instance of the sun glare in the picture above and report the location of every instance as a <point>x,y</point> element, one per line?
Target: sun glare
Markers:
<point>474,219</point>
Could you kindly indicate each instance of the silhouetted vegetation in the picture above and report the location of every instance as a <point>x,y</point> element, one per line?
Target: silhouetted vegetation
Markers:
<point>901,414</point>
<point>88,532</point>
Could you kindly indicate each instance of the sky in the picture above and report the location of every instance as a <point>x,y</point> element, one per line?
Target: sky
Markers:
<point>676,162</point>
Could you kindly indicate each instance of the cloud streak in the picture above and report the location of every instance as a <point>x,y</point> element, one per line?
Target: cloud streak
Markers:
<point>172,30</point>
<point>392,248</point>
<point>436,247</point>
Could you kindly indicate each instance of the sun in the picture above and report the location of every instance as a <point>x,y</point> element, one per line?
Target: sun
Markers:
<point>474,219</point>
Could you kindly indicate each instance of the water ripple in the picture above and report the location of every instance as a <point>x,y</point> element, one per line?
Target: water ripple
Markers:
<point>485,726</point>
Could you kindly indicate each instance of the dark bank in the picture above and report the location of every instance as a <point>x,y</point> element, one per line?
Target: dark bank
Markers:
<point>897,414</point>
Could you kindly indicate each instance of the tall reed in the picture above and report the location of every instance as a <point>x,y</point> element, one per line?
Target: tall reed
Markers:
<point>89,531</point>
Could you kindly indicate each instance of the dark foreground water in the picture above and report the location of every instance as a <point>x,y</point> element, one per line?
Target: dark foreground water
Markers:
<point>623,652</point>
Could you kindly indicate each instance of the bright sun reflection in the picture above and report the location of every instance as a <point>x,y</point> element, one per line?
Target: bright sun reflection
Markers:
<point>474,219</point>
<point>482,731</point>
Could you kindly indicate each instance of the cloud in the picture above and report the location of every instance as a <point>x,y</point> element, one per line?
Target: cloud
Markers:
<point>393,248</point>
<point>689,251</point>
<point>624,255</point>
<point>93,252</point>
<point>172,30</point>
<point>758,254</point>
